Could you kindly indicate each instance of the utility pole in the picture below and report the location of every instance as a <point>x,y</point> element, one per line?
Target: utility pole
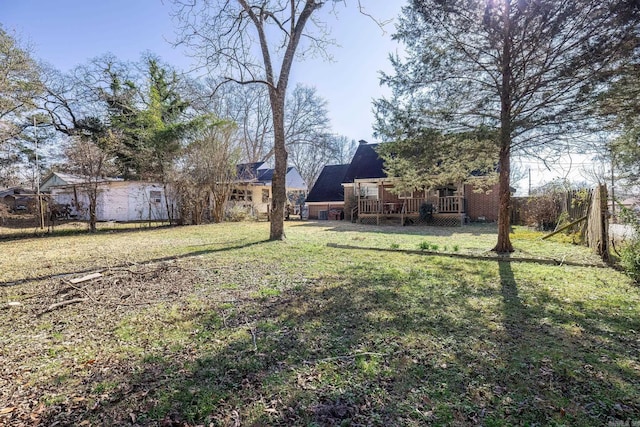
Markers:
<point>613,178</point>
<point>38,195</point>
<point>529,193</point>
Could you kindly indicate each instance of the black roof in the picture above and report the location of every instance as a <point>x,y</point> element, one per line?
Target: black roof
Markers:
<point>248,171</point>
<point>328,186</point>
<point>267,174</point>
<point>365,164</point>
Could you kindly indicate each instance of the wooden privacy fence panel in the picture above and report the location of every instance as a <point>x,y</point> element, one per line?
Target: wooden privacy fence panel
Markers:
<point>576,203</point>
<point>519,210</point>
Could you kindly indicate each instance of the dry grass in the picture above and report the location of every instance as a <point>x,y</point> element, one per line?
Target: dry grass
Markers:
<point>212,325</point>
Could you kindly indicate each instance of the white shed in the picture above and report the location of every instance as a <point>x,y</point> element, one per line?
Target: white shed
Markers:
<point>116,200</point>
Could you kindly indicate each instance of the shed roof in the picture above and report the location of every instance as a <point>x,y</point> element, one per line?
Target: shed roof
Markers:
<point>328,186</point>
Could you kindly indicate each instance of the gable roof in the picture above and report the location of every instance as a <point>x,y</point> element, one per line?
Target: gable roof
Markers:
<point>365,164</point>
<point>15,192</point>
<point>293,178</point>
<point>258,173</point>
<point>328,186</point>
<point>55,179</point>
<point>249,171</point>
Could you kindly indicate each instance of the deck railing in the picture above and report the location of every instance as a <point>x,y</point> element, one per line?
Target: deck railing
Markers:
<point>370,206</point>
<point>450,204</point>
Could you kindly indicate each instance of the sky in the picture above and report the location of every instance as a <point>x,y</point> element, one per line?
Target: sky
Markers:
<point>66,33</point>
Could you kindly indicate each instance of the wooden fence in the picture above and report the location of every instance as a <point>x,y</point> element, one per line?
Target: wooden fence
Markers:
<point>585,208</point>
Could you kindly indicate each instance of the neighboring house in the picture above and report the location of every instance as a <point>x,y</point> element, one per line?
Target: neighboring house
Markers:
<point>117,200</point>
<point>252,187</point>
<point>18,198</point>
<point>628,203</point>
<point>368,196</point>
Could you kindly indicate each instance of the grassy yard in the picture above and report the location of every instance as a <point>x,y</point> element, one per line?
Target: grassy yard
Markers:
<point>214,325</point>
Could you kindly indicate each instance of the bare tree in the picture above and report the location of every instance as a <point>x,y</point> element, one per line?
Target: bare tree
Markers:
<point>207,171</point>
<point>19,86</point>
<point>228,32</point>
<point>246,105</point>
<point>88,157</point>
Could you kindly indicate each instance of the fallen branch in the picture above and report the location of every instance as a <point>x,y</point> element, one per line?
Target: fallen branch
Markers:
<point>564,228</point>
<point>83,290</point>
<point>62,304</point>
<point>498,258</point>
<point>85,278</point>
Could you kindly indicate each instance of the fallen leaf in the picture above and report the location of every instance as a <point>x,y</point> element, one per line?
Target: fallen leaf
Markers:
<point>7,410</point>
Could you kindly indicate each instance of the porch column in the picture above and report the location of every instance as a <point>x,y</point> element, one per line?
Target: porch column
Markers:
<point>379,203</point>
<point>460,202</point>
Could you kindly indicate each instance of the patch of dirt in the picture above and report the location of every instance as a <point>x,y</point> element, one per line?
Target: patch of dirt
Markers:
<point>43,380</point>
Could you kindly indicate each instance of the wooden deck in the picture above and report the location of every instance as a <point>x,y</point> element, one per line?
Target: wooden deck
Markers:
<point>441,211</point>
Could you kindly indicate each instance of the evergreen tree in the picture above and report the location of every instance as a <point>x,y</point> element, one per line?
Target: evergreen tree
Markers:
<point>526,69</point>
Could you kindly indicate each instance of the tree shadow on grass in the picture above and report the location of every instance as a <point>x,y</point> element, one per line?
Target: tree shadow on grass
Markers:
<point>375,345</point>
<point>562,371</point>
<point>58,230</point>
<point>191,254</point>
<point>420,230</point>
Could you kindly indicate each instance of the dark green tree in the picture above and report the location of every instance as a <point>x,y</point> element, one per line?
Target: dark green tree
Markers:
<point>620,106</point>
<point>150,117</point>
<point>526,69</point>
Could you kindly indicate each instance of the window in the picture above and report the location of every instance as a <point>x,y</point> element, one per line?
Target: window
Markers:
<point>240,195</point>
<point>369,191</point>
<point>265,195</point>
<point>447,191</point>
<point>155,196</point>
<point>405,195</point>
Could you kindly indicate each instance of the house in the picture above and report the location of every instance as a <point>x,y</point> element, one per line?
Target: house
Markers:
<point>17,198</point>
<point>252,187</point>
<point>368,196</point>
<point>117,200</point>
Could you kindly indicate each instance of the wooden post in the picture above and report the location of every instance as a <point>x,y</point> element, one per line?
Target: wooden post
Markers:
<point>460,191</point>
<point>604,220</point>
<point>597,226</point>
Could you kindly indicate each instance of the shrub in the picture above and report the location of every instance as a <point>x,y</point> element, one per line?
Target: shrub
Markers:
<point>424,246</point>
<point>630,252</point>
<point>239,213</point>
<point>630,259</point>
<point>544,211</point>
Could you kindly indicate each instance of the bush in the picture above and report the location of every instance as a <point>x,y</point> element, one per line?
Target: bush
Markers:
<point>630,252</point>
<point>239,213</point>
<point>630,259</point>
<point>544,211</point>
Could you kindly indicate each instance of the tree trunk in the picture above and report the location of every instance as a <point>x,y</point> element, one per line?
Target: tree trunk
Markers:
<point>93,199</point>
<point>504,163</point>
<point>504,218</point>
<point>278,184</point>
